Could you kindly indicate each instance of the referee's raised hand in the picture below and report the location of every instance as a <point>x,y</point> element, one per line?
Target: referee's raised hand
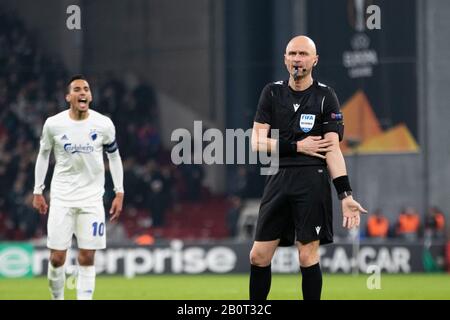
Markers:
<point>312,145</point>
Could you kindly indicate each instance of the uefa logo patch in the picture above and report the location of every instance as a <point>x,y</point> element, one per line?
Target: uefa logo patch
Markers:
<point>336,116</point>
<point>307,122</point>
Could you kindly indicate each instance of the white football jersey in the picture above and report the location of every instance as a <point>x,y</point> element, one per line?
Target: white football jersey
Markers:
<point>79,174</point>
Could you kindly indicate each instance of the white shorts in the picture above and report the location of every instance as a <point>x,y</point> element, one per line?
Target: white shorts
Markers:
<point>86,223</point>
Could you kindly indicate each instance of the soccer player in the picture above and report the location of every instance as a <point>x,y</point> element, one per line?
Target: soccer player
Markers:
<point>78,137</point>
<point>296,203</point>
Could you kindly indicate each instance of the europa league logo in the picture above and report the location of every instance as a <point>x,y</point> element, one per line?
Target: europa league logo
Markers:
<point>356,12</point>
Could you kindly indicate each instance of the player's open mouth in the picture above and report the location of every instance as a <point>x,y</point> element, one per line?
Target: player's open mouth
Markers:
<point>82,102</point>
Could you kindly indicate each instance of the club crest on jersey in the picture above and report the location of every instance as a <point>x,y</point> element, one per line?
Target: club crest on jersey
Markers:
<point>93,135</point>
<point>307,122</point>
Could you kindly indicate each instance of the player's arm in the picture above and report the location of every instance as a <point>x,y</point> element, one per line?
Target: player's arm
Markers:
<point>351,209</point>
<point>116,169</point>
<point>40,170</point>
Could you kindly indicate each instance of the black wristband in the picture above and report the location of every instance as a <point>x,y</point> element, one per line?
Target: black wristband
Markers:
<point>286,148</point>
<point>342,184</point>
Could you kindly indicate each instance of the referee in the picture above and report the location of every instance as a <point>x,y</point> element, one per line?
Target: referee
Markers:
<point>296,203</point>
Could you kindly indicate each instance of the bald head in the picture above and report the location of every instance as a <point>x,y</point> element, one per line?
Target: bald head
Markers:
<point>301,57</point>
<point>302,42</point>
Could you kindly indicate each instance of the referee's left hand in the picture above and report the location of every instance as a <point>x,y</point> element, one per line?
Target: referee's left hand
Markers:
<point>116,207</point>
<point>351,210</point>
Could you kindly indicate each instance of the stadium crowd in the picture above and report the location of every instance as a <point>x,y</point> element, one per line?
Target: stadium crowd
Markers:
<point>32,88</point>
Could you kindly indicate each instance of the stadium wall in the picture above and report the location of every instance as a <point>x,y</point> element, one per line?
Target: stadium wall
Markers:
<point>175,45</point>
<point>434,79</point>
<point>47,20</point>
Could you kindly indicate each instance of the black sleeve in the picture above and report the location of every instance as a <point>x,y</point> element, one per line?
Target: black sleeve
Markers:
<point>333,119</point>
<point>264,112</point>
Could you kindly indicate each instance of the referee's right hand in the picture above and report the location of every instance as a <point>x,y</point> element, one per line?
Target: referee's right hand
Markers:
<point>39,203</point>
<point>312,145</point>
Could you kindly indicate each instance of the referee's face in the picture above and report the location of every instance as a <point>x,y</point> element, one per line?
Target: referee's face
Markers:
<point>301,53</point>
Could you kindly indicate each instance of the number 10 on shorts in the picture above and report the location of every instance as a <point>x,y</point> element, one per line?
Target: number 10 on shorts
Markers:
<point>98,228</point>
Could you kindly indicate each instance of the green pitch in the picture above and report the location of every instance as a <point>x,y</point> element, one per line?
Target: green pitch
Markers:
<point>235,287</point>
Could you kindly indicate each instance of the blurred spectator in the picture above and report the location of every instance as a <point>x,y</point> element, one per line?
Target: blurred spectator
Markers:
<point>435,224</point>
<point>116,232</point>
<point>144,240</point>
<point>239,183</point>
<point>145,98</point>
<point>233,215</point>
<point>408,224</point>
<point>24,218</point>
<point>148,143</point>
<point>447,255</point>
<point>157,193</point>
<point>377,225</point>
<point>193,175</point>
<point>249,227</point>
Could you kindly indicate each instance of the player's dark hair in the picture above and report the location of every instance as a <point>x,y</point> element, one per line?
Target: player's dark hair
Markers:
<point>73,78</point>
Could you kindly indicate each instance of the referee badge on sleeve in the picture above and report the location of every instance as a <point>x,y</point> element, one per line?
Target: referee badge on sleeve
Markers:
<point>307,122</point>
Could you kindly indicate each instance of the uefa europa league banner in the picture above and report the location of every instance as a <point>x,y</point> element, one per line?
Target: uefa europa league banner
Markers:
<point>367,53</point>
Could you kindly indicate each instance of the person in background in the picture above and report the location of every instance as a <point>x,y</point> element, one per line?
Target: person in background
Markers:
<point>408,224</point>
<point>377,225</point>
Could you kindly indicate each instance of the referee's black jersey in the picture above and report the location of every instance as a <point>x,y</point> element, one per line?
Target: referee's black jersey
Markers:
<point>298,114</point>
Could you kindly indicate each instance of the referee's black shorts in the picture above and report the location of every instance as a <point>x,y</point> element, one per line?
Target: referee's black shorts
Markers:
<point>296,205</point>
